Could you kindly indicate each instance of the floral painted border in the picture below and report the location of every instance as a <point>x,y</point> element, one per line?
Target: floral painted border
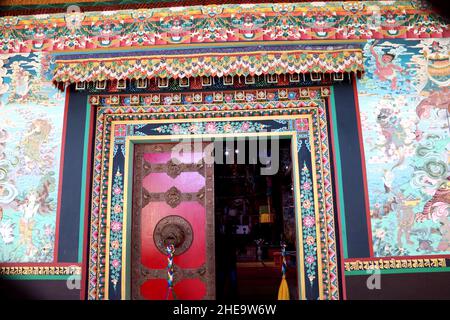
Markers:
<point>324,272</point>
<point>116,223</point>
<point>98,227</point>
<point>187,128</point>
<point>211,127</point>
<point>219,100</point>
<point>309,222</point>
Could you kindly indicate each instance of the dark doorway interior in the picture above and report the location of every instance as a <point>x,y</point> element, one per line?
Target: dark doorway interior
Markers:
<point>254,213</point>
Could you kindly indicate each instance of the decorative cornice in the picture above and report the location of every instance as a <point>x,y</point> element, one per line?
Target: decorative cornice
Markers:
<point>40,270</point>
<point>234,99</point>
<point>388,264</point>
<point>245,23</point>
<point>209,65</point>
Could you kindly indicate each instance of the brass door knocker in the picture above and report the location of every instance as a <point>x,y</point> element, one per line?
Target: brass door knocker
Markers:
<point>173,230</point>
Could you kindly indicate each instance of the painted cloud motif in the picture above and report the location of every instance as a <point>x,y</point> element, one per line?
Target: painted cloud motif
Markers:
<point>30,134</point>
<point>405,98</point>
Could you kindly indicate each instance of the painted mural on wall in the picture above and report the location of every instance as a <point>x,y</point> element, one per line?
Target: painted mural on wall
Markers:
<point>404,99</point>
<point>31,117</point>
<point>246,22</point>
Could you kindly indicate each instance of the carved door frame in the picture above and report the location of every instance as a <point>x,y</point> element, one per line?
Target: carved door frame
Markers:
<point>120,128</point>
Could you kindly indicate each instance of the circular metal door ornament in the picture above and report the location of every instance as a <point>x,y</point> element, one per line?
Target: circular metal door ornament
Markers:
<point>173,230</point>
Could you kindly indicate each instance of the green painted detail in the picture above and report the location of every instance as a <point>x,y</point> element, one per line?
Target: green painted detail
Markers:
<point>338,169</point>
<point>397,271</point>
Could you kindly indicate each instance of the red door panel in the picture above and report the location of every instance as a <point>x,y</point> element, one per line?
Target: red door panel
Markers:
<point>172,203</point>
<point>194,213</point>
<point>185,182</point>
<point>188,289</point>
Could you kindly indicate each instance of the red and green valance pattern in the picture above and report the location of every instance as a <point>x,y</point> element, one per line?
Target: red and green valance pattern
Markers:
<point>210,64</point>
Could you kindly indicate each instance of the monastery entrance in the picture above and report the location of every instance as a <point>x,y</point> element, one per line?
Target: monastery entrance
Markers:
<point>208,93</point>
<point>206,223</point>
<point>220,215</point>
<point>255,221</point>
<point>227,221</point>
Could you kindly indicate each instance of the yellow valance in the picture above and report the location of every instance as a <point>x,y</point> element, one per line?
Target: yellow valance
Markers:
<point>209,64</point>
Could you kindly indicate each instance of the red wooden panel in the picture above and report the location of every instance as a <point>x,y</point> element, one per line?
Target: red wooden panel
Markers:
<point>190,289</point>
<point>187,289</point>
<point>154,289</point>
<point>151,185</point>
<point>193,212</point>
<point>164,157</point>
<point>185,182</point>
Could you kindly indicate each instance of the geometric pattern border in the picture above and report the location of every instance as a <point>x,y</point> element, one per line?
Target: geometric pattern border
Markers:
<point>41,270</point>
<point>181,102</point>
<point>390,264</point>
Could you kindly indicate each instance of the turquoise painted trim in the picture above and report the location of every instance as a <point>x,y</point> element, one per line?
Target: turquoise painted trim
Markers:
<point>38,277</point>
<point>130,154</point>
<point>398,271</point>
<point>83,181</point>
<point>338,168</point>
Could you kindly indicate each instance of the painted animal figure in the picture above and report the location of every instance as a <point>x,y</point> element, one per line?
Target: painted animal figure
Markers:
<point>393,133</point>
<point>425,245</point>
<point>439,99</point>
<point>437,209</point>
<point>442,195</point>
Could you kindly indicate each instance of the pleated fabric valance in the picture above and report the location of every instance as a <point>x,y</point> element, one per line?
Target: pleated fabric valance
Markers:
<point>177,65</point>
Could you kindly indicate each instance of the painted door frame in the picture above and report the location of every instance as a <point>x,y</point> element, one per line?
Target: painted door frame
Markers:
<point>113,124</point>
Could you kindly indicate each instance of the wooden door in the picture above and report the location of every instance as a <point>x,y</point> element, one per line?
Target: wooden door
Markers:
<point>173,200</point>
